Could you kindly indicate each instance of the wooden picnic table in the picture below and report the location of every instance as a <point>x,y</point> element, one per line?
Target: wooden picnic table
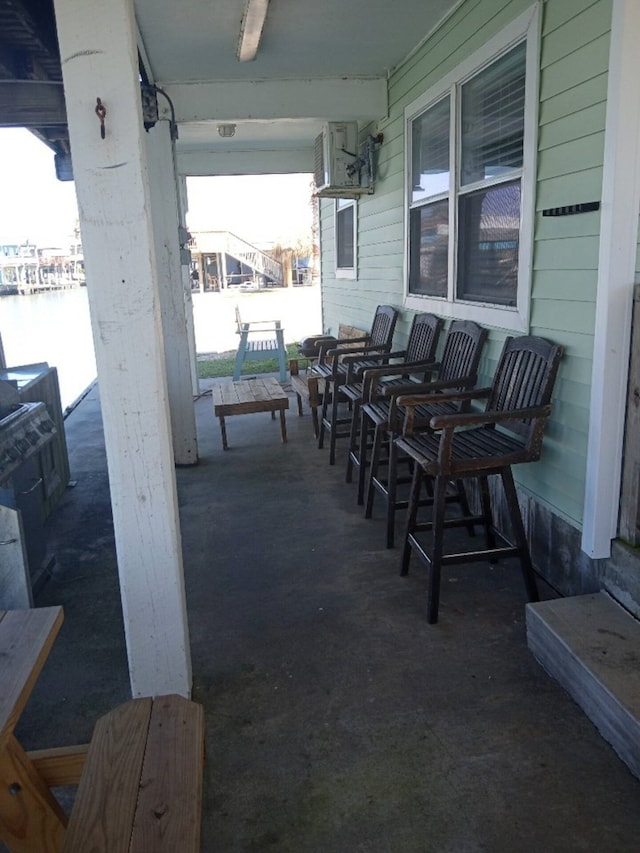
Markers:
<point>140,778</point>
<point>248,397</point>
<point>30,816</point>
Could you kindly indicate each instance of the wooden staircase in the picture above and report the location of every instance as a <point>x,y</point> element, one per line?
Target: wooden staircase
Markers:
<point>224,242</point>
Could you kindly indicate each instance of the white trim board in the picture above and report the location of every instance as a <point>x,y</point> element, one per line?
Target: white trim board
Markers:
<point>616,272</point>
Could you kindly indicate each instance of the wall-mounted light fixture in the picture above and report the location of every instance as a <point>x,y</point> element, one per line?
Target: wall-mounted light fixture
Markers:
<point>226,131</point>
<point>253,19</point>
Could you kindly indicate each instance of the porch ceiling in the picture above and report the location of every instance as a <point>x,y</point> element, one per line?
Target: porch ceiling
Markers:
<point>317,62</point>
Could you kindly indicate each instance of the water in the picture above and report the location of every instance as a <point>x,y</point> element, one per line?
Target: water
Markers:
<point>55,327</point>
<point>52,327</point>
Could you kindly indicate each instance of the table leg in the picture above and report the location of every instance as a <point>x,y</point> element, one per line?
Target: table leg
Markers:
<point>283,427</point>
<point>30,816</point>
<point>223,431</point>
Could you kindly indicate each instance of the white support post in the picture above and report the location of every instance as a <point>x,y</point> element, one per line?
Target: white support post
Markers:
<point>616,269</point>
<point>99,60</point>
<point>165,214</point>
<point>183,203</point>
<point>222,270</point>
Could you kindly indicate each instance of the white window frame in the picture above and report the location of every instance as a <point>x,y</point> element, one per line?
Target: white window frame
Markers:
<point>525,27</point>
<point>343,204</point>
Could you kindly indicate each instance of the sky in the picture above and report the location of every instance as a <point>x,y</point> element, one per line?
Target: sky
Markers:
<point>36,206</point>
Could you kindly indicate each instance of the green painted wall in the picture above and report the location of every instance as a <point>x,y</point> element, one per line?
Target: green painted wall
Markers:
<point>574,52</point>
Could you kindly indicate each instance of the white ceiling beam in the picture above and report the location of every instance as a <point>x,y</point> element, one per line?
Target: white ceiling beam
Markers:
<point>251,162</point>
<point>144,56</point>
<point>334,99</point>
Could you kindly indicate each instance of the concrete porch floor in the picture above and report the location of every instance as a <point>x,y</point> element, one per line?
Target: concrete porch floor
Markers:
<point>337,719</point>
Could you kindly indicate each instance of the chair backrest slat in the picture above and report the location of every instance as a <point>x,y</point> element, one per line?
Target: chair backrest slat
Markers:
<point>383,326</point>
<point>524,377</point>
<point>423,338</point>
<point>462,350</point>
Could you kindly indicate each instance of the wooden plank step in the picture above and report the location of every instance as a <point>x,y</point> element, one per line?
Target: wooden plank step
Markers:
<point>591,646</point>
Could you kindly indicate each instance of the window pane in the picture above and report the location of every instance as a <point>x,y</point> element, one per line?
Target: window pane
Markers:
<point>430,152</point>
<point>493,119</point>
<point>429,240</point>
<point>488,237</point>
<point>344,238</point>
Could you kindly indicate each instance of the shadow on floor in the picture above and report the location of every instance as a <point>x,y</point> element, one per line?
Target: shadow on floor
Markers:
<point>337,719</point>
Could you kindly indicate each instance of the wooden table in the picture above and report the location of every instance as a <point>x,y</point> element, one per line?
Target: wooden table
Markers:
<point>30,816</point>
<point>248,397</point>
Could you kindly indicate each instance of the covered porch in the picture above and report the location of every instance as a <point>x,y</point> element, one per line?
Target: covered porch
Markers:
<point>336,718</point>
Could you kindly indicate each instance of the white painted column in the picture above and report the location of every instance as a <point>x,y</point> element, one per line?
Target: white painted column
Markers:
<point>183,202</point>
<point>616,271</point>
<point>99,59</point>
<point>165,214</point>
<point>222,270</point>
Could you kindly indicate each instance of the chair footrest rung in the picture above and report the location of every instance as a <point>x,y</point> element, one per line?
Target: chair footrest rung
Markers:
<point>458,521</point>
<point>472,556</point>
<point>489,555</point>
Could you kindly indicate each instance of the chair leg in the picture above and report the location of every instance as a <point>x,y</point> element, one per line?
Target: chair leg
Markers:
<point>314,418</point>
<point>365,431</point>
<point>282,355</point>
<point>487,516</point>
<point>353,441</point>
<point>392,490</point>
<point>435,565</point>
<point>412,515</point>
<point>378,436</point>
<point>240,355</point>
<point>519,534</point>
<point>464,504</point>
<point>323,414</point>
<point>335,405</point>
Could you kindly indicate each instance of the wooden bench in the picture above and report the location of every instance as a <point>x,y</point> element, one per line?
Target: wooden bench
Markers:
<point>141,787</point>
<point>311,388</point>
<point>261,347</point>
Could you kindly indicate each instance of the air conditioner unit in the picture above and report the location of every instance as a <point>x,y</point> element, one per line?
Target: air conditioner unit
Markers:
<point>336,149</point>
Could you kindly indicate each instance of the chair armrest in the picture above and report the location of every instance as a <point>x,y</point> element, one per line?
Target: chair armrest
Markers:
<point>448,424</point>
<point>466,419</point>
<point>372,353</point>
<point>263,326</point>
<point>411,402</point>
<point>371,374</point>
<point>326,348</point>
<point>346,341</point>
<point>355,370</point>
<point>349,355</point>
<point>379,353</point>
<point>351,352</point>
<point>455,386</point>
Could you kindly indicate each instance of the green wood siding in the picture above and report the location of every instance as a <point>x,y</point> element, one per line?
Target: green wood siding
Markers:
<point>574,55</point>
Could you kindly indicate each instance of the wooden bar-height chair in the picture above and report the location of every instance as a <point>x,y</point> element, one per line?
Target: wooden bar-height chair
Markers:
<point>416,361</point>
<point>341,363</point>
<point>474,445</point>
<point>456,370</point>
